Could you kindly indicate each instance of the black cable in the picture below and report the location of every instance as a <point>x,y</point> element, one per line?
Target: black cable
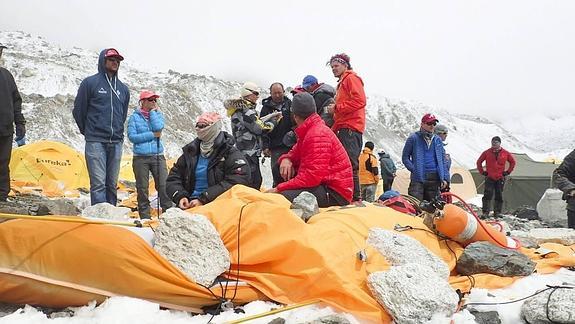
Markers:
<point>520,299</point>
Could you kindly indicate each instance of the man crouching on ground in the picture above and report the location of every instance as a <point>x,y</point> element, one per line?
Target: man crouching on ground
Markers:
<point>318,163</point>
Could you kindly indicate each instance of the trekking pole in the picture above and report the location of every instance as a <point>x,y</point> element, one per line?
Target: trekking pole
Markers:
<point>158,173</point>
<point>135,223</point>
<point>275,311</point>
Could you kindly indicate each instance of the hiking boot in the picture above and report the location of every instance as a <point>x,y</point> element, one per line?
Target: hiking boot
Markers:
<point>485,214</point>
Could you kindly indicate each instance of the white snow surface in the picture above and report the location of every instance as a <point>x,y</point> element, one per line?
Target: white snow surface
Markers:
<point>131,310</point>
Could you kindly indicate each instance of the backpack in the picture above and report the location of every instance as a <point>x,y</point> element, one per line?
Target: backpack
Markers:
<point>400,204</point>
<point>369,167</point>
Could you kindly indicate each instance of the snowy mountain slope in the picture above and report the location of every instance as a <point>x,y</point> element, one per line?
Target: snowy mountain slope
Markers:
<point>48,77</point>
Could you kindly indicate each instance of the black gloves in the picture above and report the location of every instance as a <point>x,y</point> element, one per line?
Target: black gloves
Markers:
<point>485,173</point>
<point>505,173</point>
<point>20,131</point>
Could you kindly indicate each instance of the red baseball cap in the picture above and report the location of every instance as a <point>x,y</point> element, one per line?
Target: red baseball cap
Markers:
<point>112,52</point>
<point>429,118</point>
<point>147,94</point>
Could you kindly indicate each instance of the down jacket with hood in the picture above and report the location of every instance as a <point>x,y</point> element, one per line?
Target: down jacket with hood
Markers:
<point>319,159</point>
<point>323,96</point>
<point>141,132</point>
<point>226,167</point>
<point>101,106</point>
<point>413,156</point>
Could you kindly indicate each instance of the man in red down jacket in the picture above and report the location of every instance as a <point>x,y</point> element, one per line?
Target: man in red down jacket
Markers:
<point>495,160</point>
<point>349,113</point>
<point>318,163</point>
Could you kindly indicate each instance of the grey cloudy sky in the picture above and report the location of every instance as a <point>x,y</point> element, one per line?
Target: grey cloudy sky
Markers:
<point>473,56</point>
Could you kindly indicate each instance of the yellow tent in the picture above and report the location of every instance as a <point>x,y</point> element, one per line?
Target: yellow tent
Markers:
<point>462,183</point>
<point>54,166</point>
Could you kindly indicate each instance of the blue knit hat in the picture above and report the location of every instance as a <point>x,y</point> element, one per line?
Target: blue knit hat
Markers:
<point>308,81</point>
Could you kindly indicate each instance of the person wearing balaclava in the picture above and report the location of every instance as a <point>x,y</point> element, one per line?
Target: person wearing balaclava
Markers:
<point>209,165</point>
<point>424,156</point>
<point>499,163</point>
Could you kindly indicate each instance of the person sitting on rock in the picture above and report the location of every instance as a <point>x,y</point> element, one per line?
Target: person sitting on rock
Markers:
<point>317,163</point>
<point>209,165</point>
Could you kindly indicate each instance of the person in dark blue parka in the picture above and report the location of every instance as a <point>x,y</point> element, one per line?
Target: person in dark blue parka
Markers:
<point>100,111</point>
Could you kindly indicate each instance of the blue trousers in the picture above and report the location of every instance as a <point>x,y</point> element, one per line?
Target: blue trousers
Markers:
<point>103,162</point>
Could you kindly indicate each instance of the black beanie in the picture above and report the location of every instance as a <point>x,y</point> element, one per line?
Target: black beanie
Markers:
<point>369,145</point>
<point>496,139</point>
<point>303,105</point>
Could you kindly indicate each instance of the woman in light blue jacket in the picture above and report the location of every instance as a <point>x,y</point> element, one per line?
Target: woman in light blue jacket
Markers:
<point>144,131</point>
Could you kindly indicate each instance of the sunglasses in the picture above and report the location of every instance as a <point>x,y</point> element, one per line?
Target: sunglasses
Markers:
<point>441,133</point>
<point>431,124</point>
<point>113,59</point>
<point>254,92</point>
<point>152,99</point>
<point>202,126</point>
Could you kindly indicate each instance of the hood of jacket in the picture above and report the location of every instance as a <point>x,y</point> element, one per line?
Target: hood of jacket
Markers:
<point>325,88</point>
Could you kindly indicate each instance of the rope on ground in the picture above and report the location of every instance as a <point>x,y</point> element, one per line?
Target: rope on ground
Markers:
<point>135,223</point>
<point>275,311</point>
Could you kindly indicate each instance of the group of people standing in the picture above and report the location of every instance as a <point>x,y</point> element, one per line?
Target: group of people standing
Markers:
<point>314,142</point>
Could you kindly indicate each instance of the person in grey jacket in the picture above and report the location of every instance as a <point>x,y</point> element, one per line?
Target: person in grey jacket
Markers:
<point>10,116</point>
<point>248,128</point>
<point>564,179</point>
<point>388,170</point>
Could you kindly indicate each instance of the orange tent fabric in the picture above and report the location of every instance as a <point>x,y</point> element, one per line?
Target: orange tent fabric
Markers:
<point>279,256</point>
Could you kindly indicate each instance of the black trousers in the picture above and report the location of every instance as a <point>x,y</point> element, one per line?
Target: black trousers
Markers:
<point>571,212</point>
<point>5,154</point>
<point>142,167</point>
<point>426,190</point>
<point>276,153</point>
<point>326,197</point>
<point>493,188</point>
<point>256,174</point>
<point>387,183</point>
<point>352,142</point>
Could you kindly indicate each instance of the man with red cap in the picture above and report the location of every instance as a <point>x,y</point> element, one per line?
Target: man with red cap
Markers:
<point>144,131</point>
<point>496,160</point>
<point>424,156</point>
<point>100,111</point>
<point>348,113</point>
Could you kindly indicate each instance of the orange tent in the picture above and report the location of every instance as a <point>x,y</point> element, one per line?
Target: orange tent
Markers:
<point>276,254</point>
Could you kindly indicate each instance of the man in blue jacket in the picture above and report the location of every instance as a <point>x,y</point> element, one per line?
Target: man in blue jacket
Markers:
<point>100,110</point>
<point>424,156</point>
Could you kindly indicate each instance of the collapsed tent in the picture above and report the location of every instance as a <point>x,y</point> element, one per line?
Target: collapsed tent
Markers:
<point>54,166</point>
<point>525,185</point>
<point>273,251</point>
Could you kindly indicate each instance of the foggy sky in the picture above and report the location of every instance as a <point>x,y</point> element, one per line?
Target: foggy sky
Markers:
<point>483,57</point>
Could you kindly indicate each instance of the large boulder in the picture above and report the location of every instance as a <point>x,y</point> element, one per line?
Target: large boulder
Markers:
<point>305,205</point>
<point>106,211</point>
<point>192,243</point>
<point>413,293</point>
<point>400,249</point>
<point>565,236</point>
<point>484,257</point>
<point>551,306</point>
<point>526,212</point>
<point>551,208</point>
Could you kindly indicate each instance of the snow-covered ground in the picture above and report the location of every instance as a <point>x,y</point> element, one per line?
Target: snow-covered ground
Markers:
<point>131,310</point>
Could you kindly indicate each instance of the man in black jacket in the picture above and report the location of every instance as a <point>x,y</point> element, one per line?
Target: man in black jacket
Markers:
<point>10,115</point>
<point>273,141</point>
<point>209,166</point>
<point>564,178</point>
